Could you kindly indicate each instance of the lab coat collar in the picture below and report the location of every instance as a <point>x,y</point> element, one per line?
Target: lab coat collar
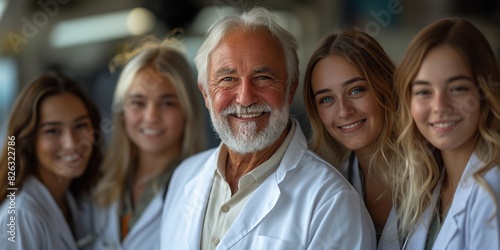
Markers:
<point>418,236</point>
<point>459,204</point>
<point>450,224</point>
<point>266,196</point>
<point>151,213</point>
<point>197,191</point>
<point>41,194</point>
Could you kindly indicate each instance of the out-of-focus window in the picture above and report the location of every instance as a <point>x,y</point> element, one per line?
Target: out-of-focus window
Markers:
<point>8,91</point>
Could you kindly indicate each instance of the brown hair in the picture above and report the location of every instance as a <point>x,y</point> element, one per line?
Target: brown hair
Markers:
<point>369,58</point>
<point>23,125</point>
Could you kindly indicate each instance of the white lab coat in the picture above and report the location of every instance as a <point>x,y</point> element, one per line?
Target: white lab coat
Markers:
<point>389,238</point>
<point>39,223</point>
<point>143,235</point>
<point>473,220</point>
<point>305,204</point>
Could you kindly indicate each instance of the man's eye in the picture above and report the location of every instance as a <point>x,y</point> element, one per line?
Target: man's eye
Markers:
<point>261,78</point>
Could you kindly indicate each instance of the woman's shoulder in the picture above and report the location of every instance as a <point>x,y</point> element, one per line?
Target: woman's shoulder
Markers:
<point>492,178</point>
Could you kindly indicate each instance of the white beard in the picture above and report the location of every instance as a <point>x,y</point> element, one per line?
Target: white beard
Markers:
<point>245,139</point>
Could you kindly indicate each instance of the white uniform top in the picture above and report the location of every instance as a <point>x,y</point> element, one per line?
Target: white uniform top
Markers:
<point>389,238</point>
<point>304,204</point>
<point>473,220</point>
<point>143,235</point>
<point>39,223</point>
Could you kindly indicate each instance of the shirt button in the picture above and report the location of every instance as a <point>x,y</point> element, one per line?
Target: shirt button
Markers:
<point>215,241</point>
<point>225,208</point>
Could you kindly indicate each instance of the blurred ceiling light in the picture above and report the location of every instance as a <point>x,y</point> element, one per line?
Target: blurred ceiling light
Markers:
<point>104,27</point>
<point>140,21</point>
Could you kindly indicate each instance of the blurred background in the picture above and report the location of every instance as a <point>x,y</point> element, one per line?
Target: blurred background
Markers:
<point>80,37</point>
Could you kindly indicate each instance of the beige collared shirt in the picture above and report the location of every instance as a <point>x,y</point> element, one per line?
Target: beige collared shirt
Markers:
<point>222,208</point>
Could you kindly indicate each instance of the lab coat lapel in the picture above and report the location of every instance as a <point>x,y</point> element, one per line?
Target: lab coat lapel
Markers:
<point>196,194</point>
<point>67,238</point>
<point>457,210</point>
<point>418,237</point>
<point>151,213</point>
<point>64,231</point>
<point>258,206</point>
<point>266,196</point>
<point>42,194</point>
<point>389,238</point>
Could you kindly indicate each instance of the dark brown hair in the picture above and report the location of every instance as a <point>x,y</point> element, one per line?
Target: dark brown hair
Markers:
<point>23,125</point>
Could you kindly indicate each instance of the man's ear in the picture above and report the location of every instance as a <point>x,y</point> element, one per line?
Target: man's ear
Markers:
<point>204,93</point>
<point>293,89</point>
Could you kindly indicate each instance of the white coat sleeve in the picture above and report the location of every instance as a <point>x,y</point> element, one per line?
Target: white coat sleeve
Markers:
<point>343,223</point>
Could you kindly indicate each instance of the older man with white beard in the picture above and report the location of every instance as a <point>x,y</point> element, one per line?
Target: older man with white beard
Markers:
<point>261,188</point>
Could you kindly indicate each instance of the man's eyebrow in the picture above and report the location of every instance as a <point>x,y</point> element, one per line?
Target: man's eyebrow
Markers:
<point>224,71</point>
<point>264,69</point>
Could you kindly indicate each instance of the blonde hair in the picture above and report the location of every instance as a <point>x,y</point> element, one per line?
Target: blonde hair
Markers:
<point>166,57</point>
<point>365,54</point>
<point>421,169</point>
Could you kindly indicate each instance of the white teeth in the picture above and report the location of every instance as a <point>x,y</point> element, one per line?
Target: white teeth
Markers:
<point>352,125</point>
<point>252,115</point>
<point>444,124</point>
<point>70,157</point>
<point>150,131</point>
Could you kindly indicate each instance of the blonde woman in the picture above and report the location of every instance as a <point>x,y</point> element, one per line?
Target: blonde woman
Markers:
<point>157,124</point>
<point>449,83</point>
<point>351,105</point>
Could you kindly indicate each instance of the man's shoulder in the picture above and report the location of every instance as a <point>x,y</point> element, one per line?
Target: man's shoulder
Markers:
<point>312,160</point>
<point>316,169</point>
<point>204,155</point>
<point>196,161</point>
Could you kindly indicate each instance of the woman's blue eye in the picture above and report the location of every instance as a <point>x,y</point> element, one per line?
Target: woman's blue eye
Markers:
<point>357,91</point>
<point>326,100</point>
<point>421,93</point>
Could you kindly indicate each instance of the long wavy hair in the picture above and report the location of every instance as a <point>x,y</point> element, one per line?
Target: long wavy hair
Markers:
<point>365,54</point>
<point>165,57</point>
<point>23,126</point>
<point>421,169</point>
